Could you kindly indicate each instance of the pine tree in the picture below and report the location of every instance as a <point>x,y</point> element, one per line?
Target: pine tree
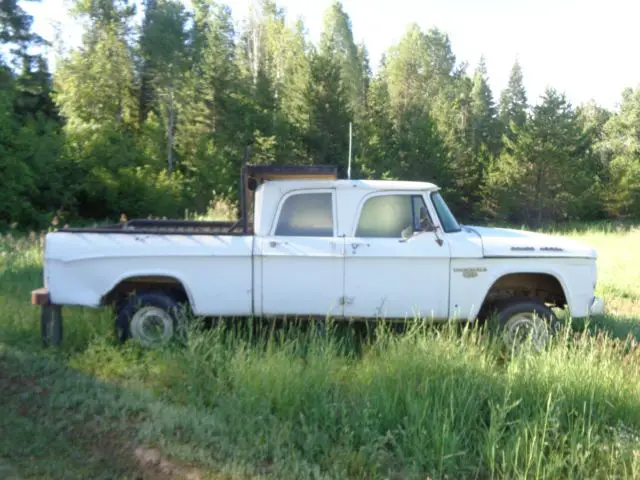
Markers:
<point>294,104</point>
<point>15,29</point>
<point>163,46</point>
<point>274,62</point>
<point>620,150</point>
<point>513,101</point>
<point>483,113</point>
<point>403,138</point>
<point>328,134</point>
<point>30,140</point>
<point>541,176</point>
<point>375,157</point>
<point>95,84</point>
<point>336,42</point>
<point>215,124</point>
<point>484,137</point>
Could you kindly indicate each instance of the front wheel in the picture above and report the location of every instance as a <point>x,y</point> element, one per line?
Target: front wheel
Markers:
<point>149,318</point>
<point>526,322</point>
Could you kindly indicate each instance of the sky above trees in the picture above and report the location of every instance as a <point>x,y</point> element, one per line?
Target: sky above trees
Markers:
<point>584,48</point>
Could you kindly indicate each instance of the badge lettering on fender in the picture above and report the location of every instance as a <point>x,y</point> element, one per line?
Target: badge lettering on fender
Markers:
<point>470,272</point>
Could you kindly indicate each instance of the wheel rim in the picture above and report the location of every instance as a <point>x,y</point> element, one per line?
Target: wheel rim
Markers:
<point>152,326</point>
<point>526,328</point>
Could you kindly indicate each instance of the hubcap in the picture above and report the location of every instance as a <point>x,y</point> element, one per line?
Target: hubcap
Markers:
<point>152,326</point>
<point>523,328</point>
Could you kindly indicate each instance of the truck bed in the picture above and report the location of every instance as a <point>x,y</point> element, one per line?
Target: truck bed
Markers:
<point>82,266</point>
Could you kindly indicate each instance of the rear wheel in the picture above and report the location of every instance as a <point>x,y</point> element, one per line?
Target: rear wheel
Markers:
<point>149,318</point>
<point>526,322</point>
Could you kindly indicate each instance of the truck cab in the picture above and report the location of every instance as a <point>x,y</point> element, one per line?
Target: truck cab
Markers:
<point>353,249</point>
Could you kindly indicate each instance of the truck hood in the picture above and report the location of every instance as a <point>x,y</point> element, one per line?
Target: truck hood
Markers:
<point>504,242</point>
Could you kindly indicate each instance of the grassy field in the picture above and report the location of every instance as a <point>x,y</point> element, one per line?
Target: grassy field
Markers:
<point>280,403</point>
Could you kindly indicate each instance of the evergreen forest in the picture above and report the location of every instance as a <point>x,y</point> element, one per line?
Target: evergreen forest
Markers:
<point>153,112</point>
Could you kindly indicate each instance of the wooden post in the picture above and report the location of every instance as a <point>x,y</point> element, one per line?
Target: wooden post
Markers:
<point>50,317</point>
<point>51,325</point>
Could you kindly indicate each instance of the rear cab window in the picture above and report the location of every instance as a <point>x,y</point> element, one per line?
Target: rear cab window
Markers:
<point>307,214</point>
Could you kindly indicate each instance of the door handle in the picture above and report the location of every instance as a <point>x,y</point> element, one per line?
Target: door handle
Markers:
<point>274,244</point>
<point>355,246</point>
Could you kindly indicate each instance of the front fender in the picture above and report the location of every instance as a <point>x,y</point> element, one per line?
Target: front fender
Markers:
<point>472,280</point>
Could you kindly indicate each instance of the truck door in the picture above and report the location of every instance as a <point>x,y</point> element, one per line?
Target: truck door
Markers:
<point>302,259</point>
<point>387,276</point>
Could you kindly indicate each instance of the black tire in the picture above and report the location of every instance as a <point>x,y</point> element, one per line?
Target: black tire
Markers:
<point>526,316</point>
<point>134,304</point>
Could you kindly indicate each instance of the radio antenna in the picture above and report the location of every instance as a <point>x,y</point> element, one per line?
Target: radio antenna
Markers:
<point>349,168</point>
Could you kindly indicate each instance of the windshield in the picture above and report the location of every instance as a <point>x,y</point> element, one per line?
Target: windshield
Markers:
<point>448,221</point>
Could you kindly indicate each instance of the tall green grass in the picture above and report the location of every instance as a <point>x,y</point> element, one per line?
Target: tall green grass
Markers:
<point>293,402</point>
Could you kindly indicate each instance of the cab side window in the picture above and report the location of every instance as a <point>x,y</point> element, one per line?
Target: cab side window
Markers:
<point>386,216</point>
<point>306,215</point>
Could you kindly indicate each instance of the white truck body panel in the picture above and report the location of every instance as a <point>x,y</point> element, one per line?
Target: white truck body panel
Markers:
<point>504,242</point>
<point>214,270</point>
<point>387,277</point>
<point>301,276</point>
<point>340,265</point>
<point>576,277</point>
<point>386,282</point>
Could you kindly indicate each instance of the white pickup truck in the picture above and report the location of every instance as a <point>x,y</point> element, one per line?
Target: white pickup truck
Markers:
<point>311,245</point>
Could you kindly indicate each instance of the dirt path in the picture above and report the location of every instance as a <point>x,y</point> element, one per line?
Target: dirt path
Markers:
<point>42,439</point>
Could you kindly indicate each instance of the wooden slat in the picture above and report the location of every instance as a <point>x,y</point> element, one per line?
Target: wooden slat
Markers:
<point>40,296</point>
